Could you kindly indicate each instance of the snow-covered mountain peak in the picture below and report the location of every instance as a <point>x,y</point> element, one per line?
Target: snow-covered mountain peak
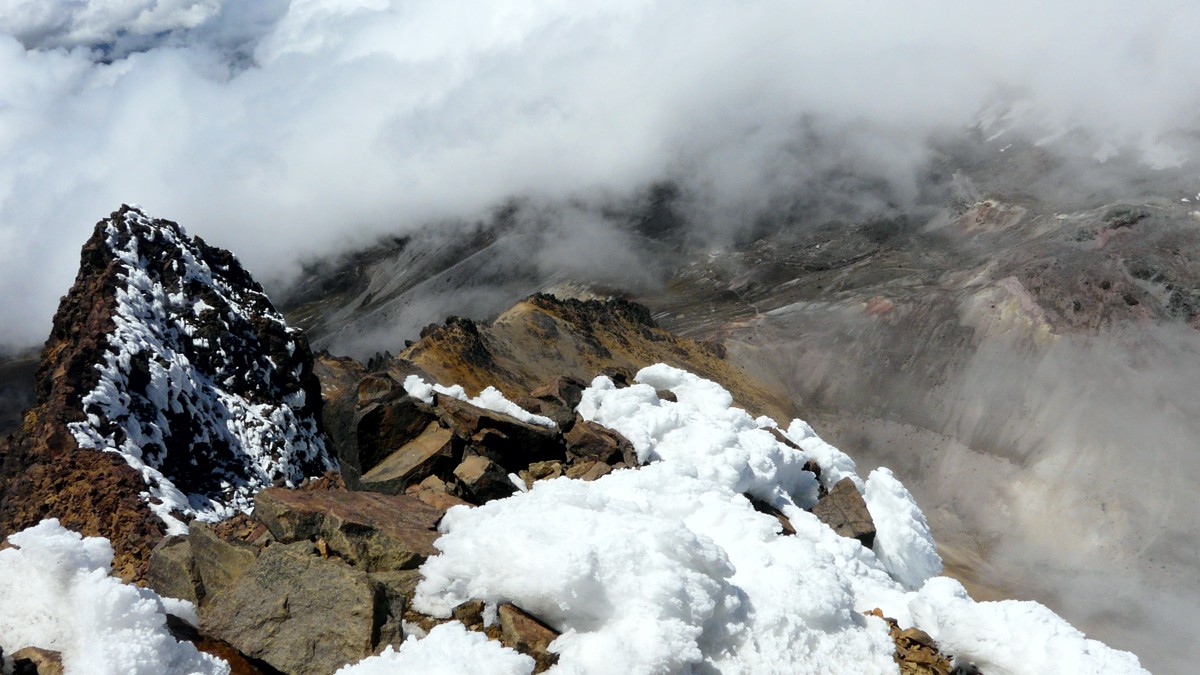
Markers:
<point>202,387</point>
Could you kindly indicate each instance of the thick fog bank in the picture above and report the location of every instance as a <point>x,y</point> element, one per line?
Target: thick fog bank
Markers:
<point>286,130</point>
<point>1061,472</point>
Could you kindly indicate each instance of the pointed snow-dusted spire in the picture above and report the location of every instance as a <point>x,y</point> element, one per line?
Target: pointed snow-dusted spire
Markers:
<point>168,354</point>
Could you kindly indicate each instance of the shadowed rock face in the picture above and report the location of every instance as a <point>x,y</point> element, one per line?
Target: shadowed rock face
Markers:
<point>169,387</point>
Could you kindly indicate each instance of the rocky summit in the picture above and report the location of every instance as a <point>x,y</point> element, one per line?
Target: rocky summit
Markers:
<point>169,389</point>
<point>566,488</point>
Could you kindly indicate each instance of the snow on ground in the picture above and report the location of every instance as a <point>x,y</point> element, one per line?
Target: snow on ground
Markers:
<point>668,568</point>
<point>449,649</point>
<point>56,593</point>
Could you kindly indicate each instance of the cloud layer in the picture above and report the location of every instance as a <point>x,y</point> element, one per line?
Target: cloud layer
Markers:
<point>288,129</point>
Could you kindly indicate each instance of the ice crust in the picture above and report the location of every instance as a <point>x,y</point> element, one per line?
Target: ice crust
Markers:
<point>261,442</point>
<point>57,594</point>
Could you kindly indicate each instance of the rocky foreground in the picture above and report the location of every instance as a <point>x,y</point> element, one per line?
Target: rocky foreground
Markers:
<point>327,524</point>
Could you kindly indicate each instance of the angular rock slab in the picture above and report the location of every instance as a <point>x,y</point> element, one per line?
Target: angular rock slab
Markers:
<point>373,531</point>
<point>844,510</point>
<point>483,479</point>
<point>299,612</point>
<point>526,634</point>
<point>430,452</point>
<point>504,439</point>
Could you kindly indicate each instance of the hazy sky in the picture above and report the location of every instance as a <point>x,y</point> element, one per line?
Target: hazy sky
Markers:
<point>281,129</point>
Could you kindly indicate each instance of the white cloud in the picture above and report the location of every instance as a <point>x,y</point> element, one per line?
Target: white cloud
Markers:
<point>282,129</point>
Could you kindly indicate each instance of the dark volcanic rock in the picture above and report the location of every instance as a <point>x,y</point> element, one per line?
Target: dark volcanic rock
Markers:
<point>169,356</point>
<point>844,510</point>
<point>507,441</point>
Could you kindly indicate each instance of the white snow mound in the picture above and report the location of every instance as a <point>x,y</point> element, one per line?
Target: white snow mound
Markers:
<point>57,594</point>
<point>669,568</point>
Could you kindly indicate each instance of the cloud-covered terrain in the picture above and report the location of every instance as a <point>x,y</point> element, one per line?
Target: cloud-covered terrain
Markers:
<point>283,129</point>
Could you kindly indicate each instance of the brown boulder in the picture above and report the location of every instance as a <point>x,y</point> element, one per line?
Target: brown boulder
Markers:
<point>218,561</point>
<point>844,510</point>
<point>590,441</point>
<point>507,441</point>
<point>435,492</point>
<point>386,425</point>
<point>172,570</point>
<point>483,479</point>
<point>374,531</point>
<point>301,613</point>
<point>588,470</point>
<point>431,452</point>
<point>526,634</point>
<point>37,661</point>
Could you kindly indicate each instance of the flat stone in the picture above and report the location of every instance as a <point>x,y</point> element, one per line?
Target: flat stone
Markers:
<point>844,510</point>
<point>430,452</point>
<point>435,492</point>
<point>588,470</point>
<point>526,634</point>
<point>375,531</point>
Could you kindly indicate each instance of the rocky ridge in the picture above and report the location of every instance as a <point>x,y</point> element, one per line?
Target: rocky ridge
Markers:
<point>168,356</point>
<point>169,389</point>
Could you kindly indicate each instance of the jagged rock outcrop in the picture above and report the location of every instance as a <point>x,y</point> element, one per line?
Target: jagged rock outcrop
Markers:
<point>169,388</point>
<point>545,337</point>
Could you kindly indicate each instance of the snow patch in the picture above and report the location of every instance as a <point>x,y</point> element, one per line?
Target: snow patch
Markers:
<point>57,594</point>
<point>488,399</point>
<point>669,567</point>
<point>448,649</point>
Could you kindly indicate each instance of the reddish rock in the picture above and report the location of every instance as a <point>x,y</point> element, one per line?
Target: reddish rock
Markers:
<point>374,531</point>
<point>526,634</point>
